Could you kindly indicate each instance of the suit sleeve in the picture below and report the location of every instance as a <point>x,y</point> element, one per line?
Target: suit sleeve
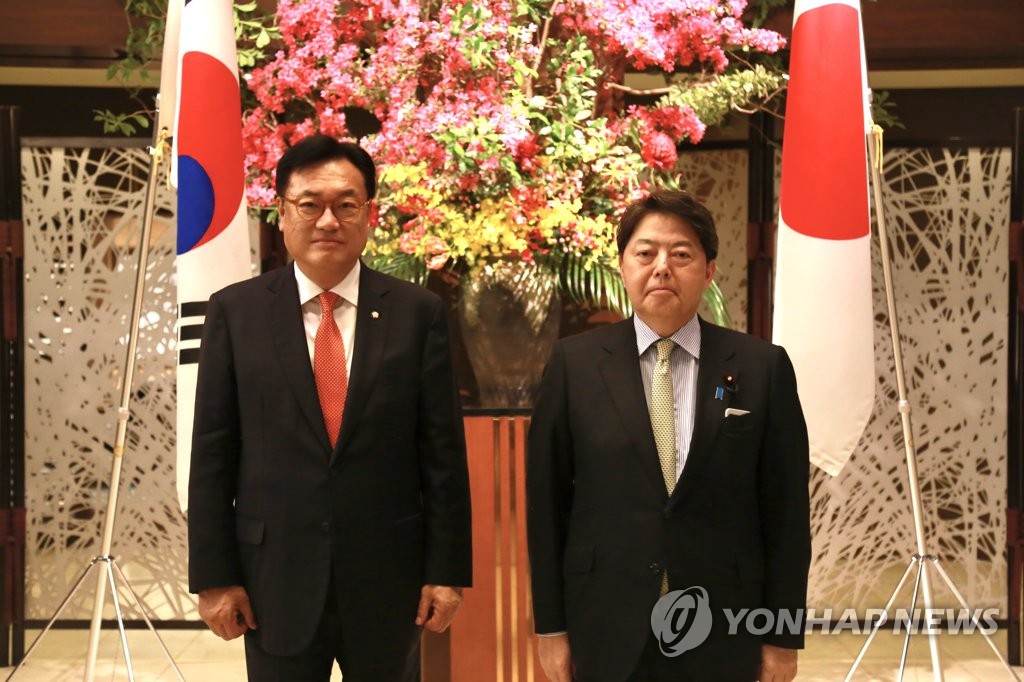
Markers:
<point>216,445</point>
<point>784,501</point>
<point>549,493</point>
<point>444,475</point>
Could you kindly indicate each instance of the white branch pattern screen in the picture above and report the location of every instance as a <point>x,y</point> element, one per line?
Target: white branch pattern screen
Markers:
<point>947,213</point>
<point>82,210</point>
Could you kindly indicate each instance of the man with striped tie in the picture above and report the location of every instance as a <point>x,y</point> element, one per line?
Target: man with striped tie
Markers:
<point>667,456</point>
<point>329,514</point>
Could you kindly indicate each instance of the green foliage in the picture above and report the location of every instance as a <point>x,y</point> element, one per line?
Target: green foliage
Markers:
<point>254,31</point>
<point>712,100</point>
<point>758,10</point>
<point>883,110</point>
<point>397,264</point>
<point>714,299</point>
<point>122,124</point>
<point>598,282</point>
<point>602,282</point>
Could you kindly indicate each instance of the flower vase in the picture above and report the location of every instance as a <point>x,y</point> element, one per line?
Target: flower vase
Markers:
<point>509,313</point>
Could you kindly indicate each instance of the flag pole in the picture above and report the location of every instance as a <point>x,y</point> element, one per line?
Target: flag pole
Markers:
<point>921,558</point>
<point>108,572</point>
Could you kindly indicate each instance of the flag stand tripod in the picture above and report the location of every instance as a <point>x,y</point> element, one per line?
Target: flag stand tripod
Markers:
<point>105,566</point>
<point>921,558</point>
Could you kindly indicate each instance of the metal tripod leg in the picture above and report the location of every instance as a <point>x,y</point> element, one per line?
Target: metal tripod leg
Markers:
<point>142,609</point>
<point>120,618</point>
<point>56,615</point>
<point>913,606</point>
<point>881,621</point>
<point>963,604</point>
<point>114,573</point>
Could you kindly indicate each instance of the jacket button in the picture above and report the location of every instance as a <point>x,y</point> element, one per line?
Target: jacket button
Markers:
<point>326,526</point>
<point>655,567</point>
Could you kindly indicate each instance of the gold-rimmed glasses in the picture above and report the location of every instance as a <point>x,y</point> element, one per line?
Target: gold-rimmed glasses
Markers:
<point>310,209</point>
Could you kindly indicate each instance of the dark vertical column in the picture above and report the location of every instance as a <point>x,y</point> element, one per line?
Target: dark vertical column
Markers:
<point>761,224</point>
<point>1015,398</point>
<point>272,252</point>
<point>12,404</point>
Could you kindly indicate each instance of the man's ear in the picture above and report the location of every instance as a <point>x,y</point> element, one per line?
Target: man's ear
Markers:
<point>712,265</point>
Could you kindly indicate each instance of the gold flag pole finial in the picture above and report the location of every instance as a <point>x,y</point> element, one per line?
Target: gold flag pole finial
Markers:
<point>878,134</point>
<point>161,148</point>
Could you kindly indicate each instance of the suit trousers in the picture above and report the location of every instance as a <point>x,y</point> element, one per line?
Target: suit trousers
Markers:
<point>654,666</point>
<point>331,644</point>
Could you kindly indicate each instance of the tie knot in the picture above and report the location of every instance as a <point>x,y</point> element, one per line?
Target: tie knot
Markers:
<point>665,347</point>
<point>327,301</point>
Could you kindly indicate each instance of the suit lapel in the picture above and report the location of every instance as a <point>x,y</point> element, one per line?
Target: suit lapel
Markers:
<point>289,338</point>
<point>716,361</point>
<point>371,331</point>
<point>620,369</point>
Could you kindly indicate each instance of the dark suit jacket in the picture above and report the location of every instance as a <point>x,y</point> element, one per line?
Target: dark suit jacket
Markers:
<point>602,527</point>
<point>275,509</point>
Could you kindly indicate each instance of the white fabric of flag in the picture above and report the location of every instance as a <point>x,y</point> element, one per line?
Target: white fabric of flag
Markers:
<point>213,234</point>
<point>823,302</point>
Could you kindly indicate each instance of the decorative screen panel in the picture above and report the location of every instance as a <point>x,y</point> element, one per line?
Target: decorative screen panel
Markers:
<point>82,211</point>
<point>719,179</point>
<point>947,213</point>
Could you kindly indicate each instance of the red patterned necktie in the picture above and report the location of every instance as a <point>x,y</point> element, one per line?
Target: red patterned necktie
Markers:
<point>329,366</point>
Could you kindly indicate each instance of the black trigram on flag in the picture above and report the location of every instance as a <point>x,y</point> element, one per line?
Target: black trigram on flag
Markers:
<point>191,317</point>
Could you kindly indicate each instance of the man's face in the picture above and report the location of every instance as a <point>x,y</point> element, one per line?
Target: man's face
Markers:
<point>325,249</point>
<point>665,272</point>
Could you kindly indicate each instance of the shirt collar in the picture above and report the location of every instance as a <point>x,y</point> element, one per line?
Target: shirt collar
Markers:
<point>348,288</point>
<point>686,337</point>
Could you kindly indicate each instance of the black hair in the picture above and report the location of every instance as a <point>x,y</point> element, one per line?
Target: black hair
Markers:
<point>317,149</point>
<point>671,202</point>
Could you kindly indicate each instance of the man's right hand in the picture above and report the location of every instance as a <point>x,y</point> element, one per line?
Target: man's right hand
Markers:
<point>555,657</point>
<point>226,610</point>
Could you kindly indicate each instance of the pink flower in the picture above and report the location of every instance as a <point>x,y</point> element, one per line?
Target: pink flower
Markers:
<point>659,151</point>
<point>435,251</point>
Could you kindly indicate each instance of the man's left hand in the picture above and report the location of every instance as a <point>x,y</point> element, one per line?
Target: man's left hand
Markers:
<point>777,664</point>
<point>438,605</point>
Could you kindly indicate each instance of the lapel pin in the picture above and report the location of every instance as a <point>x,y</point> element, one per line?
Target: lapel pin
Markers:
<point>719,393</point>
<point>730,383</point>
<point>374,314</point>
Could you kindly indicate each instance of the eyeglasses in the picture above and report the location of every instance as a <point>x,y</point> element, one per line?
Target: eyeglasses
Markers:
<point>310,209</point>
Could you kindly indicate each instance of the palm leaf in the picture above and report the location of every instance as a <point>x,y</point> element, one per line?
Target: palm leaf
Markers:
<point>401,265</point>
<point>602,285</point>
<point>714,299</point>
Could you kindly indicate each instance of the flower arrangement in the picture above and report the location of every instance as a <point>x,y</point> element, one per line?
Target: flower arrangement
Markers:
<point>503,126</point>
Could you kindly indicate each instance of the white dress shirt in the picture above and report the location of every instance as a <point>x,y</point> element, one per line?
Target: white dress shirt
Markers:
<point>344,311</point>
<point>683,364</point>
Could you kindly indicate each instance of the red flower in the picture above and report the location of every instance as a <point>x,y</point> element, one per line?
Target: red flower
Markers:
<point>659,151</point>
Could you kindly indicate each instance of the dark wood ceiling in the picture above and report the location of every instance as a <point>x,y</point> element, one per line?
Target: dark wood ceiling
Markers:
<point>899,34</point>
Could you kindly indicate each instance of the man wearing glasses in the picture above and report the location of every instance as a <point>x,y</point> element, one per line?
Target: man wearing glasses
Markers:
<point>329,513</point>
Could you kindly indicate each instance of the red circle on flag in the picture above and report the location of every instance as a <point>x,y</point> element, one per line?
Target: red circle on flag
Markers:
<point>824,190</point>
<point>210,132</point>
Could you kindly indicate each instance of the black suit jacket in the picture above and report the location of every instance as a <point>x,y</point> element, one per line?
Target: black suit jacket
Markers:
<point>602,527</point>
<point>274,508</point>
